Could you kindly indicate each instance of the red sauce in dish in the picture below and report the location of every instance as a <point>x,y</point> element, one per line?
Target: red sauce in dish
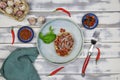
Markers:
<point>89,21</point>
<point>63,43</point>
<point>25,34</point>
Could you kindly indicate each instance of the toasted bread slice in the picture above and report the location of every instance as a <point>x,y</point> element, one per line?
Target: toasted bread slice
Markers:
<point>14,15</point>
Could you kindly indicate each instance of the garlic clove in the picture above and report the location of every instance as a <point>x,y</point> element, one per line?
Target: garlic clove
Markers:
<point>17,3</point>
<point>22,7</point>
<point>3,4</point>
<point>10,3</point>
<point>32,20</point>
<point>19,13</point>
<point>15,10</point>
<point>41,19</point>
<point>9,10</point>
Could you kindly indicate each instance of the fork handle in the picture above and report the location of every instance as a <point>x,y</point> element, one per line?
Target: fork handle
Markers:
<point>85,65</point>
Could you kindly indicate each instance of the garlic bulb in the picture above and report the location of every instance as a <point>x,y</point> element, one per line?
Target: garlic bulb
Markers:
<point>9,10</point>
<point>10,3</point>
<point>32,20</point>
<point>17,3</point>
<point>22,7</point>
<point>3,5</point>
<point>5,0</point>
<point>19,13</point>
<point>15,10</point>
<point>41,19</point>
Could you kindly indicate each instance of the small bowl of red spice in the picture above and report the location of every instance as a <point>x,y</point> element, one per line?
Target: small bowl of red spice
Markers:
<point>90,21</point>
<point>25,34</point>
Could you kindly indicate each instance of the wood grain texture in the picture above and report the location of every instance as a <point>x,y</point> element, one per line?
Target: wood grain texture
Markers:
<point>105,66</point>
<point>108,50</point>
<point>79,77</point>
<point>76,5</point>
<point>106,35</point>
<point>88,77</point>
<point>106,19</point>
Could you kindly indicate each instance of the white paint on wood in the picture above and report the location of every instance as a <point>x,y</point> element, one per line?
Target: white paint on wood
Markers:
<point>104,66</point>
<point>76,5</point>
<point>62,1</point>
<point>106,35</point>
<point>79,77</point>
<point>75,67</point>
<point>108,50</point>
<point>2,78</point>
<point>105,19</point>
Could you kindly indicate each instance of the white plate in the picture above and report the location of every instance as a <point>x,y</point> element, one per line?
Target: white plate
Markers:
<point>48,50</point>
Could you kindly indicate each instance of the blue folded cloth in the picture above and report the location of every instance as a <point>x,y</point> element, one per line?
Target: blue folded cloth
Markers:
<point>18,65</point>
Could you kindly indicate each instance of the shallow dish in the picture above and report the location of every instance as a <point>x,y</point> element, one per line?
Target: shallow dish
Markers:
<point>48,50</point>
<point>29,34</point>
<point>90,21</point>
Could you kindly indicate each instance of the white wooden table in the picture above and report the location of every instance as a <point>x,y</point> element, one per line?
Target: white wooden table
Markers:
<point>108,12</point>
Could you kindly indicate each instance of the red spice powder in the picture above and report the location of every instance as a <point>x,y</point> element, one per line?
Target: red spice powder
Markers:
<point>25,34</point>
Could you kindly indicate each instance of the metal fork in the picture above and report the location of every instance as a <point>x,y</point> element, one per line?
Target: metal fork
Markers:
<point>93,42</point>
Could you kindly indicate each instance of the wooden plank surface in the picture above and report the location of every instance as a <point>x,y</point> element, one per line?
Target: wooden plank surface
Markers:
<point>106,19</point>
<point>108,50</point>
<point>76,77</point>
<point>74,68</point>
<point>106,35</point>
<point>76,5</point>
<point>103,66</point>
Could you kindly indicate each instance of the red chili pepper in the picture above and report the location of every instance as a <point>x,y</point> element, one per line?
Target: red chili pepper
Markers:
<point>64,10</point>
<point>55,71</point>
<point>98,55</point>
<point>13,35</point>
